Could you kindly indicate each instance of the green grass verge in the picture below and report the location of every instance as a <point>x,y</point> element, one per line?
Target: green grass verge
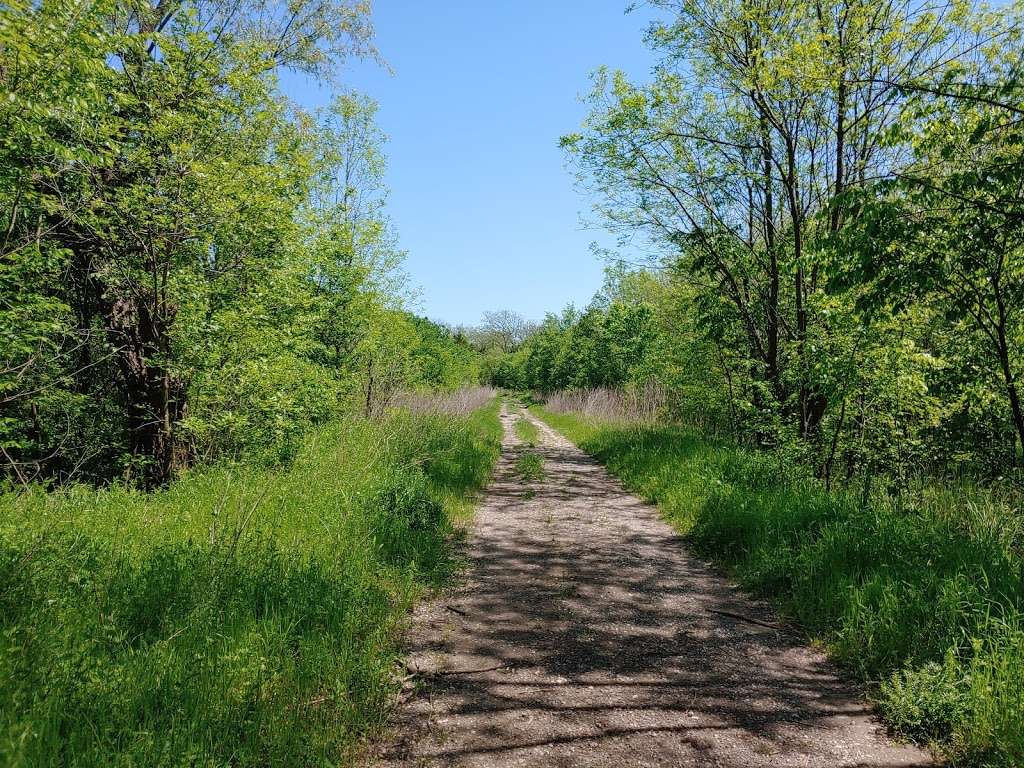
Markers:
<point>923,602</point>
<point>241,617</point>
<point>527,431</point>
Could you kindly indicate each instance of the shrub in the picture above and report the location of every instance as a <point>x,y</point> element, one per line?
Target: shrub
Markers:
<point>926,703</point>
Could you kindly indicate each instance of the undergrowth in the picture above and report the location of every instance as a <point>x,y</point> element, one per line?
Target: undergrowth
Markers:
<point>240,617</point>
<point>922,599</point>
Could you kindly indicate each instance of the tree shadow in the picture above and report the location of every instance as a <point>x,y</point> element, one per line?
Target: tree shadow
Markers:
<point>586,635</point>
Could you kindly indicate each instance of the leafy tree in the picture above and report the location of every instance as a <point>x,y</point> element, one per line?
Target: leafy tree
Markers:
<point>794,162</point>
<point>190,267</point>
<point>504,329</point>
<point>727,159</point>
<point>949,228</point>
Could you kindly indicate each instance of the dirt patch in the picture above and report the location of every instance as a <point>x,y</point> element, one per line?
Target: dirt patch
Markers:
<point>585,634</point>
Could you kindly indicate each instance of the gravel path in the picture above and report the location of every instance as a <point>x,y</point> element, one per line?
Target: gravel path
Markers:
<point>585,634</point>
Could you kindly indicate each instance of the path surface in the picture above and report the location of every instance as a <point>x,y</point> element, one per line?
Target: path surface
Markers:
<point>585,634</point>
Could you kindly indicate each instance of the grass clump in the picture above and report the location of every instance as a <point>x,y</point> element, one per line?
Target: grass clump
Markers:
<point>922,600</point>
<point>530,467</point>
<point>238,617</point>
<point>527,431</point>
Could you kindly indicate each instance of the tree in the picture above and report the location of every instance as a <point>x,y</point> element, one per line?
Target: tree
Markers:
<point>949,228</point>
<point>356,260</point>
<point>505,329</point>
<point>152,181</point>
<point>735,162</point>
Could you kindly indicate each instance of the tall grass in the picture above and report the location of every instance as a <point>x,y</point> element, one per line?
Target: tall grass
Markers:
<point>642,404</point>
<point>460,402</point>
<point>240,617</point>
<point>923,601</point>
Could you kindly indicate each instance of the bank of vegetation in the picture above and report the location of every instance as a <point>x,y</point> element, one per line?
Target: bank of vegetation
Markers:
<point>921,598</point>
<point>242,616</point>
<point>192,267</point>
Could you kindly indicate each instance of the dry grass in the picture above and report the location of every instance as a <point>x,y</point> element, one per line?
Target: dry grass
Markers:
<point>639,405</point>
<point>461,402</point>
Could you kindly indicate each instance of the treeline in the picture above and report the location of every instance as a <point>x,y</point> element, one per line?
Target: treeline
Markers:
<point>190,265</point>
<point>610,344</point>
<point>837,195</point>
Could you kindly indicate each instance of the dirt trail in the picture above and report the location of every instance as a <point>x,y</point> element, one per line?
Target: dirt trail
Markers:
<point>585,634</point>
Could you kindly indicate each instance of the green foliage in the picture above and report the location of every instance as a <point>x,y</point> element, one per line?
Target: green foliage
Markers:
<point>925,594</point>
<point>832,196</point>
<point>945,236</point>
<point>191,267</point>
<point>445,359</point>
<point>604,346</point>
<point>926,703</point>
<point>239,616</point>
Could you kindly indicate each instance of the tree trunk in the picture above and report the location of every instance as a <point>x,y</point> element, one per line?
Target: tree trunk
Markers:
<point>826,470</point>
<point>812,404</point>
<point>772,309</point>
<point>1011,384</point>
<point>154,397</point>
<point>369,388</point>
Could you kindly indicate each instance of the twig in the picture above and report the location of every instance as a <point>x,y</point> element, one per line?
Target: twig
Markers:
<point>741,617</point>
<point>245,521</point>
<point>443,672</point>
<point>467,671</point>
<point>14,465</point>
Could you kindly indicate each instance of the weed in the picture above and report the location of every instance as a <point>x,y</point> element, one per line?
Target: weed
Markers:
<point>926,703</point>
<point>527,431</point>
<point>530,466</point>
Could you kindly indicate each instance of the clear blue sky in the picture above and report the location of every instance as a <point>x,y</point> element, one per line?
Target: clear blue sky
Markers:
<point>480,195</point>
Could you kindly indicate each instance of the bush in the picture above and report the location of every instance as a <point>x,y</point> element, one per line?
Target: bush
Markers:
<point>404,496</point>
<point>406,520</point>
<point>926,703</point>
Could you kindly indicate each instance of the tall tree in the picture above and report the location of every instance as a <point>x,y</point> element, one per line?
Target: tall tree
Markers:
<point>146,162</point>
<point>735,159</point>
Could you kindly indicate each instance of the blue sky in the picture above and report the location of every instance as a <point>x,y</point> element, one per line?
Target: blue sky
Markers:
<point>480,195</point>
